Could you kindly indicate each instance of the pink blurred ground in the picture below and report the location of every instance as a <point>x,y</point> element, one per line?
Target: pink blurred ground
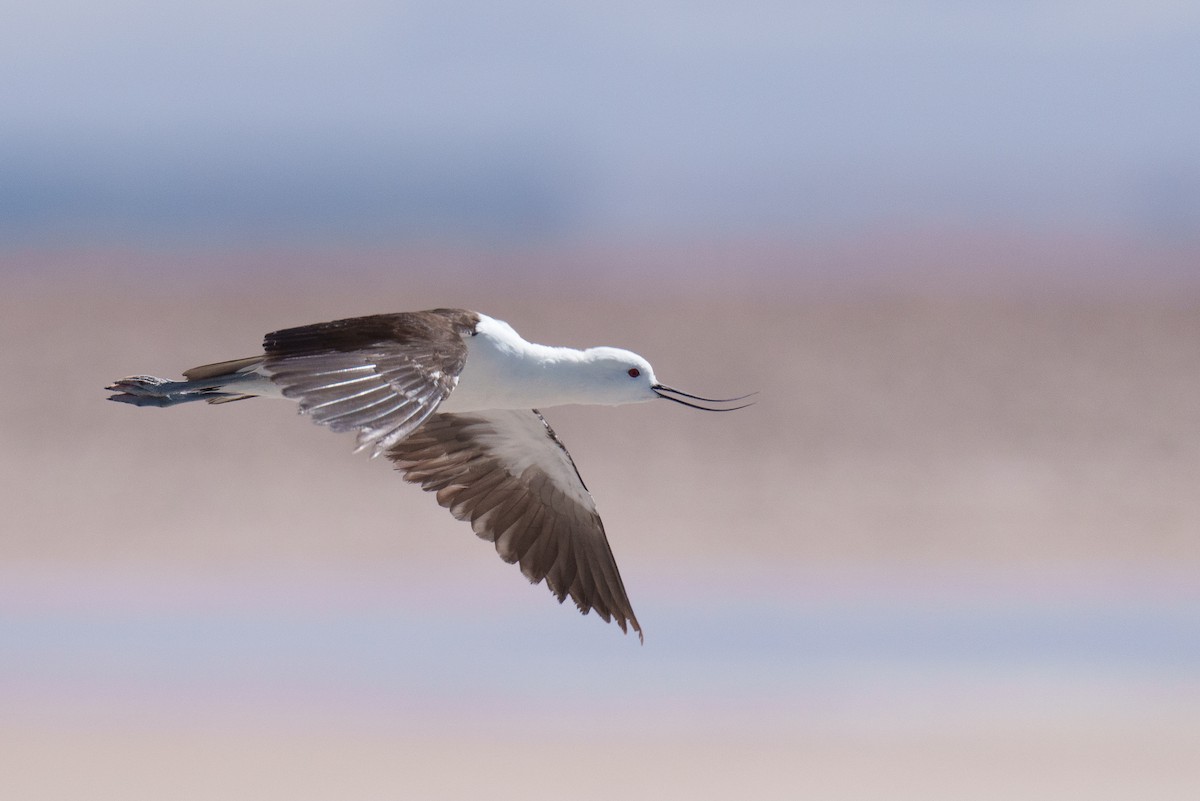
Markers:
<point>952,434</point>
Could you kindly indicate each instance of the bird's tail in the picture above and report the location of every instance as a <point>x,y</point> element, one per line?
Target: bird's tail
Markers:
<point>215,383</point>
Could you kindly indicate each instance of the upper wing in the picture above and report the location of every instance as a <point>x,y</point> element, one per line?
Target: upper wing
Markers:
<point>382,375</point>
<point>509,475</point>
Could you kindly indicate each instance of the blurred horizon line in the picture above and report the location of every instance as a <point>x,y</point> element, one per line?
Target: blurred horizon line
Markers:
<point>944,259</point>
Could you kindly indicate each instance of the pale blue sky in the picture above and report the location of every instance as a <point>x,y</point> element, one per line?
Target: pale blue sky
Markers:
<point>371,120</point>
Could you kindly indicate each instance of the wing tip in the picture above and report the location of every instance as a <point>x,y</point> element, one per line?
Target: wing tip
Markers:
<point>631,621</point>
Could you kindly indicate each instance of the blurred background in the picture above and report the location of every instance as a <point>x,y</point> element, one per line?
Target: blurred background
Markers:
<point>952,551</point>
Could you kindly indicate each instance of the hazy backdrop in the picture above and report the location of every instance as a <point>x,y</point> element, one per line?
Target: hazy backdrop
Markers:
<point>950,553</point>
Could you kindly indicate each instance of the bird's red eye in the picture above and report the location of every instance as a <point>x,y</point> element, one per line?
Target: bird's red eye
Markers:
<point>634,372</point>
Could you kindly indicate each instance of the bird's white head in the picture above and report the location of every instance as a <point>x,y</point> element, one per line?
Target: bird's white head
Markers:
<point>617,376</point>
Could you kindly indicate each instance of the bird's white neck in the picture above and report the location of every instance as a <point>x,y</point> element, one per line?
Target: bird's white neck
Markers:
<point>503,371</point>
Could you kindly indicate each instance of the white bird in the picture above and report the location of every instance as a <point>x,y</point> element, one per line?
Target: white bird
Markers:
<point>451,397</point>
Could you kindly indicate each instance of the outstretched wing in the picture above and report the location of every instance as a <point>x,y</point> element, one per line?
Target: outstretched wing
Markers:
<point>509,475</point>
<point>381,375</point>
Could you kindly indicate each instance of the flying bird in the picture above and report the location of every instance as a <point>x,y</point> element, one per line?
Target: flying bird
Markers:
<point>451,397</point>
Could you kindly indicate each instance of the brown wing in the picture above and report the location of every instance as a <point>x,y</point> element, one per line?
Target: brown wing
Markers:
<point>381,375</point>
<point>509,475</point>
